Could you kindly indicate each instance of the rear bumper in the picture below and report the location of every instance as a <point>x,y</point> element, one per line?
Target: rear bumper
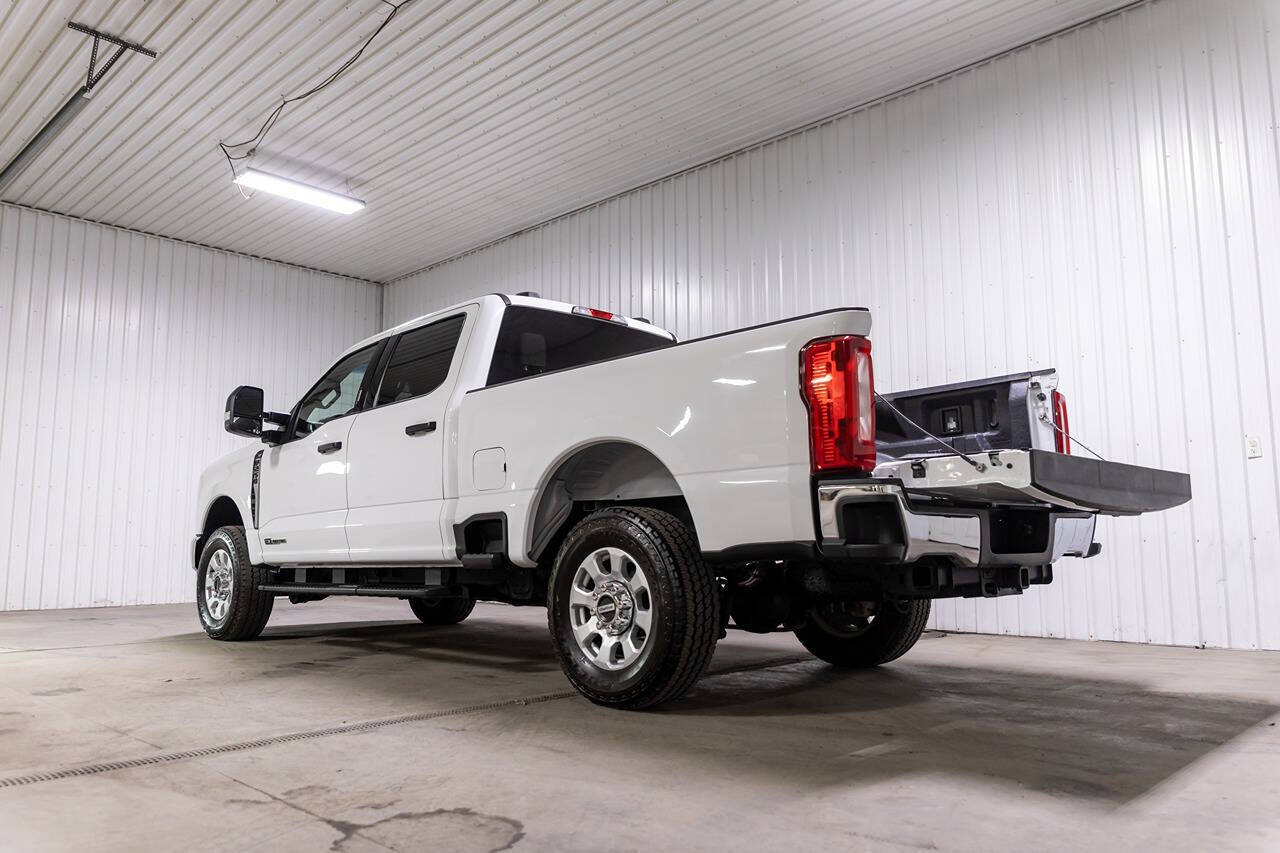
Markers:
<point>876,521</point>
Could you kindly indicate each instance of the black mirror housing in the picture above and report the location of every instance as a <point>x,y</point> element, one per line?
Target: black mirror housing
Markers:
<point>244,412</point>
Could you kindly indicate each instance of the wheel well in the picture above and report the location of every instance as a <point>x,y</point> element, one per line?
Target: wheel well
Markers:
<point>610,472</point>
<point>222,512</point>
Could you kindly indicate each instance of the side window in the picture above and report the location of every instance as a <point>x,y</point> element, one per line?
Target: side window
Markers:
<point>334,395</point>
<point>420,361</point>
<point>535,340</point>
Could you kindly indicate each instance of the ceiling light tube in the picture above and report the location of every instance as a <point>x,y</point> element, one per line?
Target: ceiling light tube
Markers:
<point>277,185</point>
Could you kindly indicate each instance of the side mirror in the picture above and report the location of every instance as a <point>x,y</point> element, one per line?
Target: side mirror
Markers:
<point>244,412</point>
<point>274,436</point>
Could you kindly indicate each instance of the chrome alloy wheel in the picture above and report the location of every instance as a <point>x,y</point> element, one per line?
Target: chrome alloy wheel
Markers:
<point>611,609</point>
<point>218,581</point>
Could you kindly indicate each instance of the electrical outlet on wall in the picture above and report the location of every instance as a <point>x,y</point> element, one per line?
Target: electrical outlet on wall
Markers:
<point>1253,447</point>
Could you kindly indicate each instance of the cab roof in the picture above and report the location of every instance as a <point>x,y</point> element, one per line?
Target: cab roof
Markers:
<point>507,299</point>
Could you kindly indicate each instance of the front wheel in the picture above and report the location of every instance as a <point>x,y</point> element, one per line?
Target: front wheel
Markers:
<point>633,610</point>
<point>231,606</point>
<point>859,634</point>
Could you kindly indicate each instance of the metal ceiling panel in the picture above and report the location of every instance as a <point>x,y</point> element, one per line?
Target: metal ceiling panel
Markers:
<point>463,122</point>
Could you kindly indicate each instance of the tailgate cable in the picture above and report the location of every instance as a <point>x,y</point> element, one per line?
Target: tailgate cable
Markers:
<point>1050,422</point>
<point>978,466</point>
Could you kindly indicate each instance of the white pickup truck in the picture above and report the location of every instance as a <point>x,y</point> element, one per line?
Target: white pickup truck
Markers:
<point>649,493</point>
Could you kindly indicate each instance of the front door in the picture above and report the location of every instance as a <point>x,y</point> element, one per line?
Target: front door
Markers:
<point>303,482</point>
<point>395,484</point>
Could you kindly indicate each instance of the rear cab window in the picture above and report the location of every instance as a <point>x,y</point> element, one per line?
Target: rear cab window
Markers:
<point>532,341</point>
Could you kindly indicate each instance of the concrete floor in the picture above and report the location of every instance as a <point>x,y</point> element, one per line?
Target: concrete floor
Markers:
<point>967,743</point>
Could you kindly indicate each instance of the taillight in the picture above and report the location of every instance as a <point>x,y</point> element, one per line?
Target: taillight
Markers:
<point>839,391</point>
<point>1061,435</point>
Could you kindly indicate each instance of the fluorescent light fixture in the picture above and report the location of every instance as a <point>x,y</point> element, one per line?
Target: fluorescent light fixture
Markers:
<point>277,185</point>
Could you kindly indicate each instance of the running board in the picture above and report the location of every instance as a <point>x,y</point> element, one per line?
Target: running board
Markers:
<point>355,589</point>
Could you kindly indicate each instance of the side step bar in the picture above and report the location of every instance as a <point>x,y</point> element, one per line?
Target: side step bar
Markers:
<point>355,589</point>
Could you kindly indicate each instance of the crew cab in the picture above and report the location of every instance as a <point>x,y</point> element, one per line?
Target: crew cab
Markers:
<point>649,493</point>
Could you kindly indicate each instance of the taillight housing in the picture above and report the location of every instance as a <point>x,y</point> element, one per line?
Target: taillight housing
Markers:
<point>1061,435</point>
<point>838,388</point>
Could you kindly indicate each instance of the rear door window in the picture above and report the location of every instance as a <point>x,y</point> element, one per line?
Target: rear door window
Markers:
<point>420,362</point>
<point>533,341</point>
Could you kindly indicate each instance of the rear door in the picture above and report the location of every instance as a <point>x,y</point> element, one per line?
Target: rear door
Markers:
<point>395,481</point>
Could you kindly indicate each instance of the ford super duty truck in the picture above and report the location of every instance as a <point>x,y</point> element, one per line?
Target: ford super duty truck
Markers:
<point>649,493</point>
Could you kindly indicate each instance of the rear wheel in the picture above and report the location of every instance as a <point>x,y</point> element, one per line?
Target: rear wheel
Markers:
<point>231,606</point>
<point>633,610</point>
<point>442,611</point>
<point>859,634</point>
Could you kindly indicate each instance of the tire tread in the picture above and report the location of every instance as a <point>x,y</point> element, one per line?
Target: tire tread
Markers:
<point>449,611</point>
<point>250,609</point>
<point>883,643</point>
<point>695,609</point>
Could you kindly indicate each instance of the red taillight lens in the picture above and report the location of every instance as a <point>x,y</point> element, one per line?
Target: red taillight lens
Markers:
<point>598,314</point>
<point>1061,435</point>
<point>838,388</point>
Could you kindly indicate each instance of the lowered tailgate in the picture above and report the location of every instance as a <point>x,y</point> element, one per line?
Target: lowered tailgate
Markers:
<point>1043,477</point>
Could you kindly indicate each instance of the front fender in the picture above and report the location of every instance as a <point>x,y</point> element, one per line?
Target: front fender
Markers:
<point>231,478</point>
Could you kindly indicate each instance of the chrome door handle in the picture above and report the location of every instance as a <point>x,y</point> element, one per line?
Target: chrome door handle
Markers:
<point>419,429</point>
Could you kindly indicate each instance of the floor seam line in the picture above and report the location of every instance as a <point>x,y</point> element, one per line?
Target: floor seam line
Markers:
<point>329,731</point>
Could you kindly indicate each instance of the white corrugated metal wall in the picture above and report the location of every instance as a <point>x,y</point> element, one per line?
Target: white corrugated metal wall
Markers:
<point>119,349</point>
<point>464,121</point>
<point>1105,201</point>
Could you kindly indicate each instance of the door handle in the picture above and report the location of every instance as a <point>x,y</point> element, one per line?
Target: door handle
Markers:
<point>419,429</point>
<point>331,447</point>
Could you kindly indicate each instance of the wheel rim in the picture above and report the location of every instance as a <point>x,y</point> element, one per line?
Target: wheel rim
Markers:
<point>846,618</point>
<point>218,581</point>
<point>611,609</point>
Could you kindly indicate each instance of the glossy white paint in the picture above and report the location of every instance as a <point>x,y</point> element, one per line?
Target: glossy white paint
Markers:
<point>738,451</point>
<point>1104,202</point>
<point>303,496</point>
<point>228,476</point>
<point>489,469</point>
<point>395,489</point>
<point>117,352</point>
<point>463,122</point>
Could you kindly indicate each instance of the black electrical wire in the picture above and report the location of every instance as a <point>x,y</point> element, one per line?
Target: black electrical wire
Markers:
<point>254,141</point>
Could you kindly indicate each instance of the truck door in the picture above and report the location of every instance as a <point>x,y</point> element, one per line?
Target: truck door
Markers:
<point>395,482</point>
<point>303,481</point>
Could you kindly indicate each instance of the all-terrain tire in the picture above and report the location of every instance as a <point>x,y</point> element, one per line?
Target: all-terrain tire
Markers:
<point>443,611</point>
<point>248,609</point>
<point>890,635</point>
<point>682,597</point>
